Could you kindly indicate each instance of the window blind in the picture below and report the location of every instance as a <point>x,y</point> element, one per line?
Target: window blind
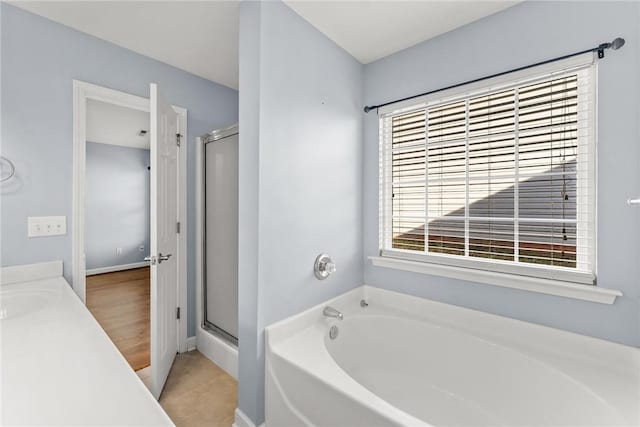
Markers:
<point>500,176</point>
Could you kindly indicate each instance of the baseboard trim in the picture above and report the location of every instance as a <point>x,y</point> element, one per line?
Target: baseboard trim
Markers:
<point>191,343</point>
<point>113,268</point>
<point>241,420</point>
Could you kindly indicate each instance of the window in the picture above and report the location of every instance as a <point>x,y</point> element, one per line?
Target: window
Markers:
<point>500,177</point>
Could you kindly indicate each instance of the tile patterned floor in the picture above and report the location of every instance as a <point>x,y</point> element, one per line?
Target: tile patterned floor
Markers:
<point>199,393</point>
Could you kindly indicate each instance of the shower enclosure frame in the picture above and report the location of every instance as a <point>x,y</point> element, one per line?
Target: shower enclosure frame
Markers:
<point>203,322</point>
<point>214,346</point>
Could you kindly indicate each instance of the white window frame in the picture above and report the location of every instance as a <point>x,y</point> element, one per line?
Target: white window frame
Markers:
<point>546,279</point>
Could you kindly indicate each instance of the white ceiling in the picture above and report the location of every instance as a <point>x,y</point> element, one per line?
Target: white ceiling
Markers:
<point>370,30</point>
<point>201,37</point>
<point>115,125</point>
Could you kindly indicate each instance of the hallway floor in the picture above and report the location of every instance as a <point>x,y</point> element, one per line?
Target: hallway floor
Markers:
<point>120,302</point>
<point>199,393</point>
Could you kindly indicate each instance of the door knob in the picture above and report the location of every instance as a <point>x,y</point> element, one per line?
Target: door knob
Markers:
<point>163,257</point>
<point>157,260</point>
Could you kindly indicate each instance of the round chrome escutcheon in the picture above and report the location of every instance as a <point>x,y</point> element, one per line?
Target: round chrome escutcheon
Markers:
<point>333,332</point>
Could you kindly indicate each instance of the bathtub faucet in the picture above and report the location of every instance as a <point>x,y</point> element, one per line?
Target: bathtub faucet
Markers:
<point>332,312</point>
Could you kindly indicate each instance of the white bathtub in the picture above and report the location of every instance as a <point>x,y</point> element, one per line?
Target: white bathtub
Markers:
<point>410,361</point>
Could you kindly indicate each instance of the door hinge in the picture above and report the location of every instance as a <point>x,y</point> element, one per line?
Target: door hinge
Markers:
<point>177,312</point>
<point>178,136</point>
<point>178,227</point>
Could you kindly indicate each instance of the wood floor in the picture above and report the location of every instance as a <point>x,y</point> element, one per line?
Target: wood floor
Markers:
<point>120,302</point>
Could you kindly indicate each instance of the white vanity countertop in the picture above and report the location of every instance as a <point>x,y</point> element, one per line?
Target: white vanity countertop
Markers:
<point>58,367</point>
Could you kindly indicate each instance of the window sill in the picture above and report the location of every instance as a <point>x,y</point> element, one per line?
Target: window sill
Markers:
<point>545,286</point>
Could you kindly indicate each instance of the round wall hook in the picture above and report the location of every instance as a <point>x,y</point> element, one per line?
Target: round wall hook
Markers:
<point>7,169</point>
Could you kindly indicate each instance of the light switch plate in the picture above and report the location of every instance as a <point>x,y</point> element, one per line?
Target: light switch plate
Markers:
<point>44,226</point>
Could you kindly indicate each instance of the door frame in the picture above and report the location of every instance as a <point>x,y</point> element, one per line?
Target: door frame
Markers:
<point>82,93</point>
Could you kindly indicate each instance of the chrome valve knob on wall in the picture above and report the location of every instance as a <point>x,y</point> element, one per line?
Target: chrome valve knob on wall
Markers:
<point>324,266</point>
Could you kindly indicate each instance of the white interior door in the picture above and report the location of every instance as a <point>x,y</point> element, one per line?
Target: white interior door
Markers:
<point>164,241</point>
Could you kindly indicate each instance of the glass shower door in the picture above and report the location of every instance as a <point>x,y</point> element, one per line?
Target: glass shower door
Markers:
<point>221,233</point>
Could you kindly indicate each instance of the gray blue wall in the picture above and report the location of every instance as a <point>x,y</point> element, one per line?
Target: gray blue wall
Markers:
<point>524,34</point>
<point>117,205</point>
<point>300,176</point>
<point>40,59</point>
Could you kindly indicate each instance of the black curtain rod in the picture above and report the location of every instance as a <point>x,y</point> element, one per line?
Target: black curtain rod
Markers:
<point>615,45</point>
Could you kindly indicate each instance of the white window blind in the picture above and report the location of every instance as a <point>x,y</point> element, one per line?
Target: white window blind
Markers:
<point>500,177</point>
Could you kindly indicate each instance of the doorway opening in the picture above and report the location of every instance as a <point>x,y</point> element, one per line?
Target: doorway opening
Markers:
<point>162,281</point>
<point>117,229</point>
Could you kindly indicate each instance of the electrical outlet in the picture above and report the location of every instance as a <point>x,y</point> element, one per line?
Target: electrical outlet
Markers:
<point>44,226</point>
<point>141,248</point>
<point>118,251</point>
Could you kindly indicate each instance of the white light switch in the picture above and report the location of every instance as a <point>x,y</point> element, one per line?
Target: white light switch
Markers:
<point>42,226</point>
